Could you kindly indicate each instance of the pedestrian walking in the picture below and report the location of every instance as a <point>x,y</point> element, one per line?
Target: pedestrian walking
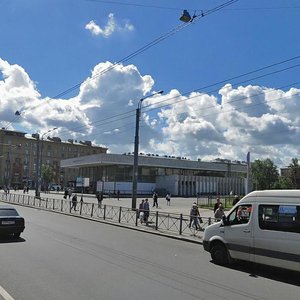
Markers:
<point>155,200</point>
<point>74,202</point>
<point>146,211</point>
<point>118,194</point>
<point>219,213</point>
<point>194,217</point>
<point>141,211</point>
<point>69,193</point>
<point>217,204</point>
<point>66,194</point>
<point>168,198</point>
<point>99,197</point>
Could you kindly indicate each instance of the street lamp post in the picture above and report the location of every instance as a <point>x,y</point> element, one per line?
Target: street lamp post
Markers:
<point>41,156</point>
<point>136,150</point>
<point>8,169</point>
<point>39,162</point>
<point>37,137</point>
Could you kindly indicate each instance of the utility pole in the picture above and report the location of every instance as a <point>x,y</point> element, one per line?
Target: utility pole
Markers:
<point>136,150</point>
<point>41,156</point>
<point>37,173</point>
<point>8,167</point>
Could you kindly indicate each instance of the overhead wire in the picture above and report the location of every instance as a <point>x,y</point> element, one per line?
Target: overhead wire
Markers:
<point>253,96</point>
<point>187,8</point>
<point>166,101</point>
<point>215,90</point>
<point>223,111</point>
<point>236,77</point>
<point>134,4</point>
<point>250,106</point>
<point>139,51</point>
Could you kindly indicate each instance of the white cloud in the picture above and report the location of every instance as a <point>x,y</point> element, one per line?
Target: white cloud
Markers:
<point>262,120</point>
<point>110,27</point>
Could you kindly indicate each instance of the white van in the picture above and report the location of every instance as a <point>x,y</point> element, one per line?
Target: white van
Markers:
<point>263,227</point>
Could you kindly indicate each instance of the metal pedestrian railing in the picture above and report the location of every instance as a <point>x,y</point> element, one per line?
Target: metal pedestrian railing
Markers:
<point>171,223</point>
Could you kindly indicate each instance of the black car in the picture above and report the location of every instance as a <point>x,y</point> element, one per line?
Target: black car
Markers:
<point>10,221</point>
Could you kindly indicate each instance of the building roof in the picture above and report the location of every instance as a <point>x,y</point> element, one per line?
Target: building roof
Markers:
<point>149,161</point>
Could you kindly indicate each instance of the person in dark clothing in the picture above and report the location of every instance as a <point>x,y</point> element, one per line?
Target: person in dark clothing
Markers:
<point>155,199</point>
<point>146,211</point>
<point>194,217</point>
<point>217,204</point>
<point>168,198</point>
<point>219,213</point>
<point>118,194</point>
<point>74,202</point>
<point>141,211</point>
<point>99,197</point>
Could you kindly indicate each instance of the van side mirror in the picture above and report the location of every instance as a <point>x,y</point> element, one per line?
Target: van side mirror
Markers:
<point>224,221</point>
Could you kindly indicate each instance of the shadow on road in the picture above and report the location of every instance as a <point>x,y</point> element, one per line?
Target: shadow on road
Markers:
<point>272,273</point>
<point>5,239</point>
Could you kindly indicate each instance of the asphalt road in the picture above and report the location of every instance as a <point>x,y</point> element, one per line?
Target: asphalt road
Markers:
<point>64,257</point>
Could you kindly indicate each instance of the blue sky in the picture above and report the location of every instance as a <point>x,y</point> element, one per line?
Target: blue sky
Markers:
<point>54,45</point>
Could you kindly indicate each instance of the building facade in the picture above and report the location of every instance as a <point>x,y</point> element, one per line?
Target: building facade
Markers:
<point>180,177</point>
<point>19,154</point>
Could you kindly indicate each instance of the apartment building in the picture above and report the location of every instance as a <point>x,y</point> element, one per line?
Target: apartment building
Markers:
<point>19,154</point>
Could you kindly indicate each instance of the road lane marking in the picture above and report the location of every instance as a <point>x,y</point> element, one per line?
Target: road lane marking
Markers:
<point>5,294</point>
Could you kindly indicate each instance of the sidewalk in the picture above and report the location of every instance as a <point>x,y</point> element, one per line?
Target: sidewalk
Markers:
<point>179,205</point>
<point>167,213</point>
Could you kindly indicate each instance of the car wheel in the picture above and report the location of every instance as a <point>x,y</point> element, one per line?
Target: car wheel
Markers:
<point>17,234</point>
<point>219,254</point>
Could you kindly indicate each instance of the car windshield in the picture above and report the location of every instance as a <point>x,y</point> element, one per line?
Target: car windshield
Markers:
<point>8,212</point>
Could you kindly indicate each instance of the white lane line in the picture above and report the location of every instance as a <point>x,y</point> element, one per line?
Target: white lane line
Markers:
<point>5,294</point>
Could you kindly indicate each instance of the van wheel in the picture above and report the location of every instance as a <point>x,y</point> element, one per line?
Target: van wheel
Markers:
<point>219,254</point>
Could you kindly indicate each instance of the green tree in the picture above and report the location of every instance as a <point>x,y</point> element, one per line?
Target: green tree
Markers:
<point>47,175</point>
<point>294,173</point>
<point>264,174</point>
<point>283,183</point>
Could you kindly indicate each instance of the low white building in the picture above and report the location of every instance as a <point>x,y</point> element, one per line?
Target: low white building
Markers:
<point>180,177</point>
